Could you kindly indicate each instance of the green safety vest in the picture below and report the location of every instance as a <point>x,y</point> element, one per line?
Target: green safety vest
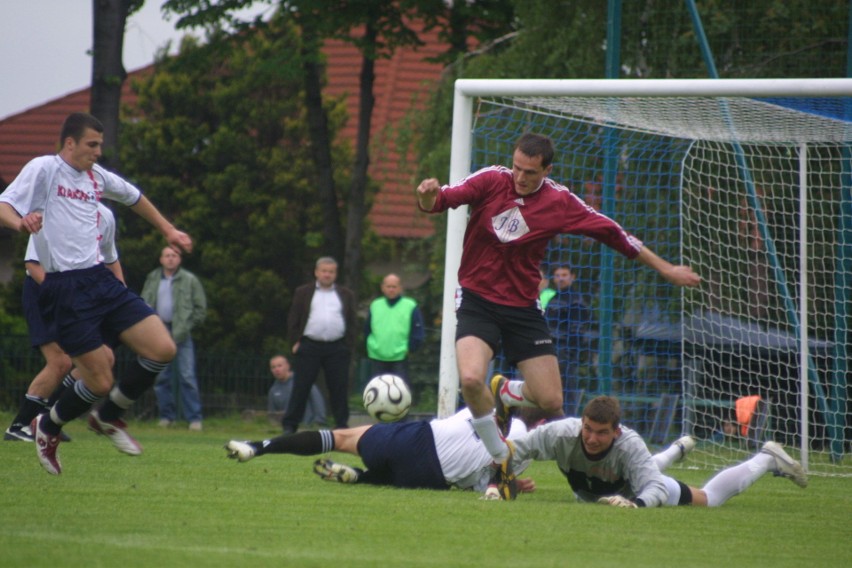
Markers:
<point>545,296</point>
<point>390,327</point>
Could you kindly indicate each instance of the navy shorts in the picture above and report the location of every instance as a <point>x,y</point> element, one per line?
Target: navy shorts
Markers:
<point>401,454</point>
<point>89,308</point>
<point>40,333</point>
<point>522,332</point>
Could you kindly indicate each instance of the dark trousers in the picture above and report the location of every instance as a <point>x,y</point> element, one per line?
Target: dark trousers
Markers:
<point>333,358</point>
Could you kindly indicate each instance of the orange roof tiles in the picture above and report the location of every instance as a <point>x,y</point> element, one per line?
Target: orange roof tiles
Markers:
<point>35,132</point>
<point>401,81</point>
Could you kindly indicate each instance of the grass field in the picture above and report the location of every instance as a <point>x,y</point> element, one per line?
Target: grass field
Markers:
<point>182,503</point>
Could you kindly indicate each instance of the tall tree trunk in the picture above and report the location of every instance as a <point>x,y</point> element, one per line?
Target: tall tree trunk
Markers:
<point>108,74</point>
<point>358,187</point>
<point>321,145</point>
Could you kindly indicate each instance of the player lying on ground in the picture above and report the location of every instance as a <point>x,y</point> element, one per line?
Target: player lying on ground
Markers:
<point>436,454</point>
<point>608,463</point>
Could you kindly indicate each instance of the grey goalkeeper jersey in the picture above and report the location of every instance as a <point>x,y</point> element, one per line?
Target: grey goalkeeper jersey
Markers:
<point>626,469</point>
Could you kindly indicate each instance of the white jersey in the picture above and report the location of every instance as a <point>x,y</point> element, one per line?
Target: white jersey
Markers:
<point>108,253</point>
<point>464,460</point>
<point>68,199</point>
<point>627,469</point>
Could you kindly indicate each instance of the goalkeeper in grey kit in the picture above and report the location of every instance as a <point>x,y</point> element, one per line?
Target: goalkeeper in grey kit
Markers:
<point>608,463</point>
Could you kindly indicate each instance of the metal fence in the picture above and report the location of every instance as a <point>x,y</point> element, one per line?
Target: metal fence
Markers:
<point>230,383</point>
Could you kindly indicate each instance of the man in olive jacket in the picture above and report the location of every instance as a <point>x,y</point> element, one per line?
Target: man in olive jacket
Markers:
<point>178,298</point>
<point>321,328</point>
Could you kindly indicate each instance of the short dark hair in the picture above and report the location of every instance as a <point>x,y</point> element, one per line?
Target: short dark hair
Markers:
<point>534,145</point>
<point>603,410</point>
<point>76,124</point>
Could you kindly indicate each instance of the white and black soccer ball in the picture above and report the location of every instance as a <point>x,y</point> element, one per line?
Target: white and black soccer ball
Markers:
<point>387,398</point>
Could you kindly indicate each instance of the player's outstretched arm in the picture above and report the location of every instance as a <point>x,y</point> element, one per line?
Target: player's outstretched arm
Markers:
<point>145,209</point>
<point>679,275</point>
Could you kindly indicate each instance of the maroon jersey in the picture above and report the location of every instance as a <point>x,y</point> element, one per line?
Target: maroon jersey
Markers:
<point>507,234</point>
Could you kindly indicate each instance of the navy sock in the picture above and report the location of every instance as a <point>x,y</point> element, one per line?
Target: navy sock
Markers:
<point>140,377</point>
<point>31,406</point>
<point>66,383</point>
<point>73,403</point>
<point>300,444</point>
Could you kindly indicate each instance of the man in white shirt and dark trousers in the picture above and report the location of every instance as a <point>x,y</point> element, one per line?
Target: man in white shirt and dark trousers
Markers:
<point>321,328</point>
<point>58,195</point>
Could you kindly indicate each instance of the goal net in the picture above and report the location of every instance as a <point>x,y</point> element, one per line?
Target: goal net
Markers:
<point>749,183</point>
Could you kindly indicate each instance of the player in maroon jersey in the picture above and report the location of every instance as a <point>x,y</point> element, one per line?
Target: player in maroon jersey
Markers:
<point>514,213</point>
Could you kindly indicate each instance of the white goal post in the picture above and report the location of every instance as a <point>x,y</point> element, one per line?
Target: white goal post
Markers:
<point>748,181</point>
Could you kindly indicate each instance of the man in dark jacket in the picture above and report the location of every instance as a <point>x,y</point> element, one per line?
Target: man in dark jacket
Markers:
<point>321,328</point>
<point>570,320</point>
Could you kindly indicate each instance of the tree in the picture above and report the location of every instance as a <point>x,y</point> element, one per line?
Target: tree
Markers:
<point>108,74</point>
<point>384,29</point>
<point>377,28</point>
<point>777,38</point>
<point>312,78</point>
<point>220,143</point>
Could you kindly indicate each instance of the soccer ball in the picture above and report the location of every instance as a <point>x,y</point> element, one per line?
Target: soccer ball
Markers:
<point>387,398</point>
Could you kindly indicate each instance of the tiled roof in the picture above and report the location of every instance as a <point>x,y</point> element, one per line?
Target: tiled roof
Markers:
<point>400,81</point>
<point>35,131</point>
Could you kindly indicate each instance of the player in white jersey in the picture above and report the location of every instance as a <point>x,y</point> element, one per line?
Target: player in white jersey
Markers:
<point>58,196</point>
<point>57,369</point>
<point>608,463</point>
<point>436,454</point>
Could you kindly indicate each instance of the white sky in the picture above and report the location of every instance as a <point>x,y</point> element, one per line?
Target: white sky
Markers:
<point>44,45</point>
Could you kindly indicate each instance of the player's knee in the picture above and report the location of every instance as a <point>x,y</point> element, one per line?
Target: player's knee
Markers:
<point>99,384</point>
<point>60,365</point>
<point>470,382</point>
<point>163,352</point>
<point>551,403</point>
<point>110,356</point>
<point>169,351</point>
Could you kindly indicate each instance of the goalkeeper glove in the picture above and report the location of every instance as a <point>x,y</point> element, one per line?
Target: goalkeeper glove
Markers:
<point>618,501</point>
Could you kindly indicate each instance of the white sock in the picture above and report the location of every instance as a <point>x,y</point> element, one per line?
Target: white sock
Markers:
<point>512,394</point>
<point>667,457</point>
<point>486,428</point>
<point>736,479</point>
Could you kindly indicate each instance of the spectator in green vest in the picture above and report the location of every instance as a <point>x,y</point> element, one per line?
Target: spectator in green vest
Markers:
<point>545,292</point>
<point>394,329</point>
